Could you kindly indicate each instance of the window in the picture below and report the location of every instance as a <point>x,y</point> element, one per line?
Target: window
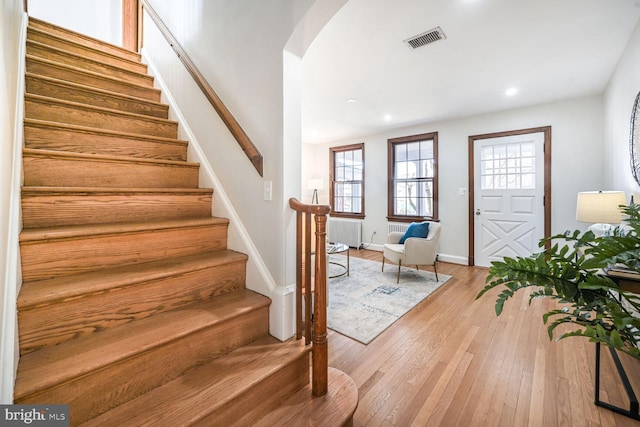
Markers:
<point>413,177</point>
<point>347,180</point>
<point>508,166</point>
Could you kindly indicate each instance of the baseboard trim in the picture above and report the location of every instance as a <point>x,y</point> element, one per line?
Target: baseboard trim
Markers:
<point>453,259</point>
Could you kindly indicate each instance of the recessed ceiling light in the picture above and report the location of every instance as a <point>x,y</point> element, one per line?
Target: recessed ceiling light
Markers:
<point>351,100</point>
<point>511,91</point>
<point>387,117</point>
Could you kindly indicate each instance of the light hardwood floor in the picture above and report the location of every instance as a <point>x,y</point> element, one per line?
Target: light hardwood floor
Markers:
<point>452,362</point>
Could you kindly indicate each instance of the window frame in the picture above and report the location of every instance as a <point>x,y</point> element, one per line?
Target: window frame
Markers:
<point>391,163</point>
<point>332,182</point>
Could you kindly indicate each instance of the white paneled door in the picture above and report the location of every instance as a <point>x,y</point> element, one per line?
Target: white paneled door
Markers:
<point>508,196</point>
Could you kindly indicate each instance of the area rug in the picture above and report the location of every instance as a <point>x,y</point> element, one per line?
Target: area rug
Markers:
<point>368,301</point>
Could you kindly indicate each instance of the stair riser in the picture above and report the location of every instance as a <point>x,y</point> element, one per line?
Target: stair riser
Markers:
<point>93,142</point>
<point>262,398</point>
<point>66,73</point>
<point>87,96</point>
<point>87,52</point>
<point>83,40</point>
<point>88,64</point>
<point>80,172</point>
<point>61,321</point>
<point>50,110</point>
<point>92,394</point>
<point>56,210</point>
<point>62,257</point>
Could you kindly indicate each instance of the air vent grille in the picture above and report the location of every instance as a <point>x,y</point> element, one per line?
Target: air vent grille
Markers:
<point>426,38</point>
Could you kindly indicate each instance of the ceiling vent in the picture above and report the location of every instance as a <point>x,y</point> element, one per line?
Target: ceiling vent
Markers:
<point>426,38</point>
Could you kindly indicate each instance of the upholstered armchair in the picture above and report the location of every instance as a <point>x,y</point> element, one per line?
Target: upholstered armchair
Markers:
<point>415,250</point>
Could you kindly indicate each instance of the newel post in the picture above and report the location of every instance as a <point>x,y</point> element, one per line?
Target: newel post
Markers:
<point>320,347</point>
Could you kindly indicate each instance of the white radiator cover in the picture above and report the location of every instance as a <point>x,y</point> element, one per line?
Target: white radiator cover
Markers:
<point>347,231</point>
<point>397,227</point>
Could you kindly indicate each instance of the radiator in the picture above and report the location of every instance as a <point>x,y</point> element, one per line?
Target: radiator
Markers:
<point>396,226</point>
<point>345,231</point>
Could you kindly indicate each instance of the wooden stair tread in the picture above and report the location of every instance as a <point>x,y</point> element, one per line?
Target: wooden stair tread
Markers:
<point>57,110</point>
<point>39,98</point>
<point>88,129</point>
<point>190,397</point>
<point>81,58</point>
<point>38,152</point>
<point>49,291</point>
<point>95,90</point>
<point>92,75</point>
<point>53,365</point>
<point>31,190</point>
<point>62,206</point>
<point>336,408</point>
<point>52,28</point>
<point>90,50</point>
<point>82,231</point>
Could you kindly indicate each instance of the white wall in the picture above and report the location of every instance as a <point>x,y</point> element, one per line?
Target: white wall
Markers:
<point>101,19</point>
<point>239,48</point>
<point>620,95</point>
<point>11,21</point>
<point>577,151</point>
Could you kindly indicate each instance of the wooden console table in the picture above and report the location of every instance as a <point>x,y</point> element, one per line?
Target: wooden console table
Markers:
<point>628,285</point>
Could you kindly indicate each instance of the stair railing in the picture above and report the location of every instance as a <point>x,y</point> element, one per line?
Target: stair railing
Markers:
<point>232,124</point>
<point>315,300</point>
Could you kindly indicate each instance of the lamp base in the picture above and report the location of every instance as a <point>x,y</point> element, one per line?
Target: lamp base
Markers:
<point>601,230</point>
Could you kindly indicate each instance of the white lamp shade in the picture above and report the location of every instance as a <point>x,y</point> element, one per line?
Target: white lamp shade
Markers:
<point>315,184</point>
<point>600,206</point>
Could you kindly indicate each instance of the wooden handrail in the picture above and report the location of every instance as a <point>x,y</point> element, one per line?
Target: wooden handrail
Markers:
<point>234,127</point>
<point>316,297</point>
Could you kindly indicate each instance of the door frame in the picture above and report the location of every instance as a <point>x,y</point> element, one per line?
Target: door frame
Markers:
<point>546,130</point>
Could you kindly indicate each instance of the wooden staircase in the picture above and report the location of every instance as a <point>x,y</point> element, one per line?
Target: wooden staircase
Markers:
<point>133,310</point>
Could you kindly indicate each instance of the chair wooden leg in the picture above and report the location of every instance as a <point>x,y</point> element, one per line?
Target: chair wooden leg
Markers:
<point>383,263</point>
<point>435,271</point>
<point>399,265</point>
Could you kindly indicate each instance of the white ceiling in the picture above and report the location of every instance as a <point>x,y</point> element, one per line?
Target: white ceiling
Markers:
<point>547,49</point>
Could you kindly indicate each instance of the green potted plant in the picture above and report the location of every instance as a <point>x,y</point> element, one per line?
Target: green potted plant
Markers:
<point>572,272</point>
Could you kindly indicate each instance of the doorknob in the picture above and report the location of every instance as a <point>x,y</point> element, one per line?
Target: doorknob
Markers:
<point>478,212</point>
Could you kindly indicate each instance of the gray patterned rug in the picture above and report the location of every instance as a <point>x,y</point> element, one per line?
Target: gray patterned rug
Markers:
<point>368,301</point>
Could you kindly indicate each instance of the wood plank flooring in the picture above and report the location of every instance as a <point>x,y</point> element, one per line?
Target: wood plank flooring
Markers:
<point>452,362</point>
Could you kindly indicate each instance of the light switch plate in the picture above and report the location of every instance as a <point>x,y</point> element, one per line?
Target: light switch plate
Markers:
<point>268,186</point>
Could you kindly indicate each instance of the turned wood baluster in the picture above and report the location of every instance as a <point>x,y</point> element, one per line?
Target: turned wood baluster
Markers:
<point>299,274</point>
<point>320,347</point>
<point>307,278</point>
<point>303,274</point>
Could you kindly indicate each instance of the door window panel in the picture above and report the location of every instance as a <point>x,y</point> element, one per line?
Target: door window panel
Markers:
<point>508,166</point>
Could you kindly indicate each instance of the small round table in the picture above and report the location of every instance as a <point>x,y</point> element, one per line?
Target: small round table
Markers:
<point>337,248</point>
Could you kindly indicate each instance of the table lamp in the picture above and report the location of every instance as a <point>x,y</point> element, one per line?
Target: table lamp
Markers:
<point>601,209</point>
<point>315,184</point>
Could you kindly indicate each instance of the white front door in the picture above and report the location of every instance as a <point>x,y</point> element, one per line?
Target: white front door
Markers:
<point>508,197</point>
